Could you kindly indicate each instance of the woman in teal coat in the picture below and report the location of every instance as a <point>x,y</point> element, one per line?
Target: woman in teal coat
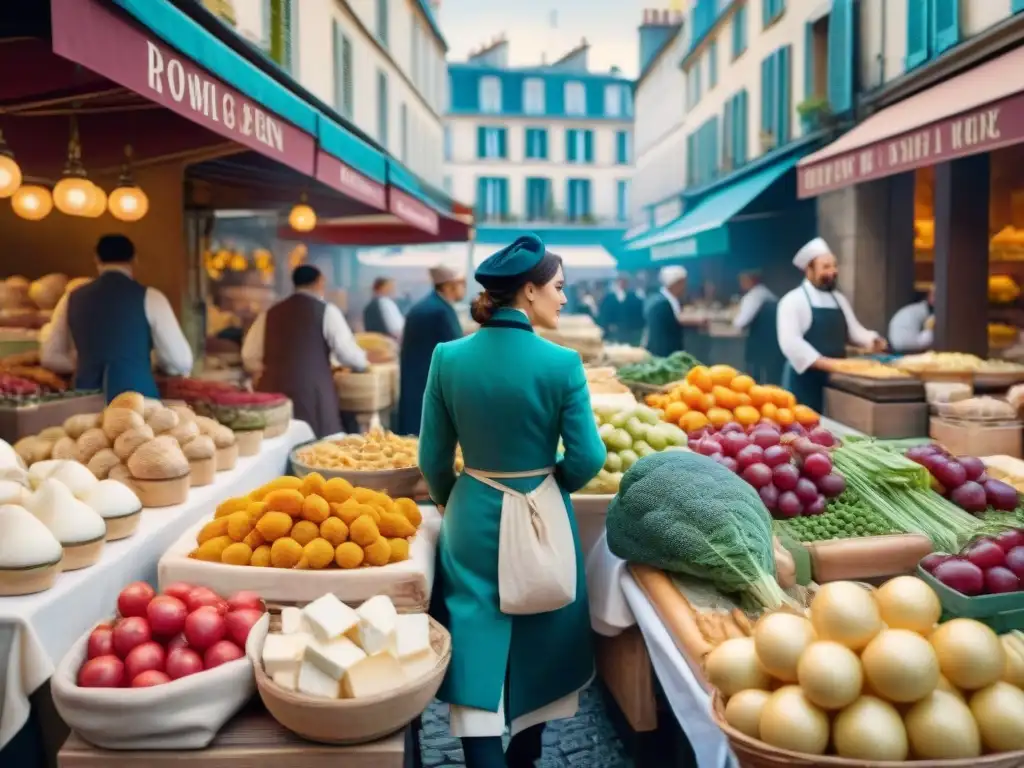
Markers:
<point>506,396</point>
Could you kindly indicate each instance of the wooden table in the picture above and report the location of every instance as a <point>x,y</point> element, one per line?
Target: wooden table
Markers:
<point>251,740</point>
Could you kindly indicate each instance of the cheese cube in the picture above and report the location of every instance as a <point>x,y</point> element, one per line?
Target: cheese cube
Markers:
<point>375,674</point>
<point>292,621</point>
<point>412,634</point>
<point>419,665</point>
<point>282,653</point>
<point>313,682</point>
<point>329,618</point>
<point>377,617</point>
<point>288,680</point>
<point>334,658</point>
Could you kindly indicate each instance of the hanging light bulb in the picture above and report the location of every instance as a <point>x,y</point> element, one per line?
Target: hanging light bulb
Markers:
<point>73,193</point>
<point>10,171</point>
<point>97,203</point>
<point>32,202</point>
<point>302,217</point>
<point>128,202</point>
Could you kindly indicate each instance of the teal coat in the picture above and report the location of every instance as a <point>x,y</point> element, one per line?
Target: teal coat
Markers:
<point>506,396</point>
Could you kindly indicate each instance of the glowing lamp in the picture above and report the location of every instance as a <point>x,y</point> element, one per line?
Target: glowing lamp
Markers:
<point>302,218</point>
<point>73,195</point>
<point>10,174</point>
<point>32,202</point>
<point>128,203</point>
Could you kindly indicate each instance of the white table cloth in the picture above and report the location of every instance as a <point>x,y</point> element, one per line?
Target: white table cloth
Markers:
<point>37,630</point>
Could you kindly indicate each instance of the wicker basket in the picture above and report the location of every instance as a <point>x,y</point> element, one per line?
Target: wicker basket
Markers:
<point>363,392</point>
<point>752,753</point>
<point>356,721</point>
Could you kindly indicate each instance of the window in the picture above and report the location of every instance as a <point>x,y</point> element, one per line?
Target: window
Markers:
<point>578,200</point>
<point>538,199</point>
<point>491,143</point>
<point>382,108</point>
<point>281,28</point>
<point>490,94</point>
<point>446,183</point>
<point>536,144</point>
<point>575,98</point>
<point>735,128</point>
<point>382,21</point>
<point>739,31</point>
<point>712,64</point>
<point>492,198</point>
<point>840,58</point>
<point>448,142</point>
<point>416,69</point>
<point>533,96</point>
<point>403,130</point>
<point>622,147</point>
<point>702,157</point>
<point>776,99</point>
<point>693,85</point>
<point>579,146</point>
<point>342,51</point>
<point>771,10</point>
<point>613,101</point>
<point>622,200</point>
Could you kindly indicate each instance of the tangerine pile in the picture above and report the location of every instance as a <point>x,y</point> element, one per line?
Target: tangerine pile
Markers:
<point>714,396</point>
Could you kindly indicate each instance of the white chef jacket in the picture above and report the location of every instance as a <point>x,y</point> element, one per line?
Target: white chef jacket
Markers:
<point>171,348</point>
<point>794,320</point>
<point>906,329</point>
<point>337,334</point>
<point>750,305</point>
<point>392,315</point>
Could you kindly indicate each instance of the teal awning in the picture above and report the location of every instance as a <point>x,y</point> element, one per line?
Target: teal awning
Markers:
<point>407,181</point>
<point>346,146</point>
<point>702,231</point>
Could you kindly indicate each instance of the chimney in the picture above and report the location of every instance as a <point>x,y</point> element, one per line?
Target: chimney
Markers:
<point>659,24</point>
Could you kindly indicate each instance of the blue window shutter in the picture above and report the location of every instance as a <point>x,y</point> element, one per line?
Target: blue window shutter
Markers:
<point>543,143</point>
<point>783,94</point>
<point>716,161</point>
<point>570,146</point>
<point>744,128</point>
<point>481,141</point>
<point>918,27</point>
<point>588,146</point>
<point>504,197</point>
<point>481,196</point>
<point>502,145</point>
<point>945,24</point>
<point>841,56</point>
<point>586,197</point>
<point>712,64</point>
<point>768,95</point>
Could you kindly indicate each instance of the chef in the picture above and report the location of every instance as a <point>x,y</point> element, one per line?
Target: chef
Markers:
<point>113,326</point>
<point>289,347</point>
<point>756,316</point>
<point>911,328</point>
<point>431,321</point>
<point>814,323</point>
<point>664,330</point>
<point>382,314</point>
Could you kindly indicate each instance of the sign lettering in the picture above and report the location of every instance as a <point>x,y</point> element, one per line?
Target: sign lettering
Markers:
<point>413,212</point>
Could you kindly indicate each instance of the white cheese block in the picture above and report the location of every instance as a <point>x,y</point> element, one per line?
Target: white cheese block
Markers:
<point>288,680</point>
<point>329,618</point>
<point>419,665</point>
<point>377,620</point>
<point>291,621</point>
<point>314,682</point>
<point>373,675</point>
<point>335,658</point>
<point>282,653</point>
<point>412,634</point>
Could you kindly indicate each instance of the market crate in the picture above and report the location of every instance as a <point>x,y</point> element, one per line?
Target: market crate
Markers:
<point>970,438</point>
<point>31,419</point>
<point>1002,613</point>
<point>878,419</point>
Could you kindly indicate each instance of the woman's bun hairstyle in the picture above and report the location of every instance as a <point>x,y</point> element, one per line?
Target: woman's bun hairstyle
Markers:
<point>482,308</point>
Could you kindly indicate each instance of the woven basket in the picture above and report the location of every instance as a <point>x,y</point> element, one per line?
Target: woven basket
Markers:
<point>752,753</point>
<point>356,721</point>
<point>363,392</point>
<point>395,483</point>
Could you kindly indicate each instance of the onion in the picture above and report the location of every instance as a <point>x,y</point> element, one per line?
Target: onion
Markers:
<point>770,496</point>
<point>804,447</point>
<point>970,496</point>
<point>240,622</point>
<point>973,466</point>
<point>999,712</point>
<point>1000,495</point>
<point>134,598</point>
<point>780,638</point>
<point>790,721</point>
<point>101,642</point>
<point>906,602</point>
<point>816,507</point>
<point>901,666</point>
<point>951,474</point>
<point>817,465</point>
<point>245,599</point>
<point>821,436</point>
<point>1013,649</point>
<point>969,653</point>
<point>920,452</point>
<point>733,443</point>
<point>182,662</point>
<point>708,446</point>
<point>1015,561</point>
<point>789,505</point>
<point>806,491</point>
<point>101,672</point>
<point>1008,540</point>
<point>758,475</point>
<point>743,712</point>
<point>166,615</point>
<point>941,727</point>
<point>764,438</point>
<point>1000,579</point>
<point>129,633</point>
<point>831,485</point>
<point>966,578</point>
<point>727,461</point>
<point>221,652</point>
<point>730,427</point>
<point>752,454</point>
<point>733,667</point>
<point>870,729</point>
<point>150,678</point>
<point>144,657</point>
<point>948,687</point>
<point>180,590</point>
<point>785,477</point>
<point>774,455</point>
<point>985,554</point>
<point>204,627</point>
<point>846,613</point>
<point>830,675</point>
<point>932,561</point>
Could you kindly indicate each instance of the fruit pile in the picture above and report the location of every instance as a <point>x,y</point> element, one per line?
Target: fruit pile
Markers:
<point>160,638</point>
<point>792,473</point>
<point>309,523</point>
<point>964,481</point>
<point>628,436</point>
<point>988,566</point>
<point>720,394</point>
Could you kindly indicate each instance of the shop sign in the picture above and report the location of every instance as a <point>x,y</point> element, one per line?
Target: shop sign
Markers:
<point>675,250</point>
<point>89,34</point>
<point>972,133</point>
<point>337,175</point>
<point>412,211</point>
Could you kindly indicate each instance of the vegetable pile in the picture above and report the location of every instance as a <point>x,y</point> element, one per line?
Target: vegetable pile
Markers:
<point>867,676</point>
<point>659,371</point>
<point>990,565</point>
<point>629,435</point>
<point>845,517</point>
<point>964,481</point>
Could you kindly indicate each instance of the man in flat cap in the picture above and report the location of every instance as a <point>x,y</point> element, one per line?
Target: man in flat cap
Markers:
<point>814,322</point>
<point>431,321</point>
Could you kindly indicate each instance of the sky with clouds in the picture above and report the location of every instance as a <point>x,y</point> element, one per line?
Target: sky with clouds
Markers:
<point>538,28</point>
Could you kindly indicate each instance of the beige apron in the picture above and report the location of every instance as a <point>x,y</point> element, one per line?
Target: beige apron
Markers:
<point>536,551</point>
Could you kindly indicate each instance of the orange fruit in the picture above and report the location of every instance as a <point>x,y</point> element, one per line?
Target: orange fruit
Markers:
<point>770,411</point>
<point>700,377</point>
<point>759,395</point>
<point>719,417</point>
<point>779,397</point>
<point>784,417</point>
<point>693,396</point>
<point>747,415</point>
<point>655,401</point>
<point>674,411</point>
<point>744,398</point>
<point>805,415</point>
<point>790,400</point>
<point>693,420</point>
<point>742,383</point>
<point>675,396</point>
<point>722,375</point>
<point>725,397</point>
<point>707,402</point>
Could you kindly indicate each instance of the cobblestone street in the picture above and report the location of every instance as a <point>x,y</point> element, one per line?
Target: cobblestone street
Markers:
<point>586,741</point>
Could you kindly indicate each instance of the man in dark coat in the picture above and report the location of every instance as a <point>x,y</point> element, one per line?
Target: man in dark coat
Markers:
<point>382,314</point>
<point>664,331</point>
<point>431,321</point>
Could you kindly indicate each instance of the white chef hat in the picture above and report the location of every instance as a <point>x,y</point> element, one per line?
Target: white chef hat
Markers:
<point>670,275</point>
<point>441,274</point>
<point>817,247</point>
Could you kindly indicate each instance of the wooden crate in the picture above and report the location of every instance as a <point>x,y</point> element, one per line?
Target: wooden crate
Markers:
<point>16,423</point>
<point>886,420</point>
<point>969,438</point>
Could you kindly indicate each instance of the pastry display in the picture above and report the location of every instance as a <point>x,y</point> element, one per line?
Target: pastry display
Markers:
<point>80,530</point>
<point>30,555</point>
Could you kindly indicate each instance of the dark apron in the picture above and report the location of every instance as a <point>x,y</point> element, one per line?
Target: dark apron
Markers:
<point>827,334</point>
<point>764,359</point>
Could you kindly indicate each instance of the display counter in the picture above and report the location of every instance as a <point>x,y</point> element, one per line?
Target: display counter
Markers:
<point>36,631</point>
<point>721,344</point>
